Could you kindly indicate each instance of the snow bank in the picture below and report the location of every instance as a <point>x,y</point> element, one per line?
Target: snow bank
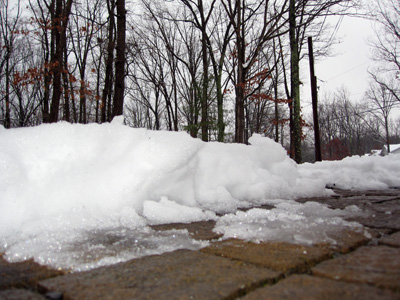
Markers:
<point>81,196</point>
<point>362,173</point>
<point>86,173</point>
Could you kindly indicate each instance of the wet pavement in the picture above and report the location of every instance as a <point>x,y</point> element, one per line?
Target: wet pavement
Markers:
<point>361,265</point>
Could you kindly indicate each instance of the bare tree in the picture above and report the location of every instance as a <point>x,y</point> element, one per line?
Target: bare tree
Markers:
<point>41,26</point>
<point>386,14</point>
<point>347,128</point>
<point>9,17</point>
<point>302,16</point>
<point>60,11</point>
<point>201,18</point>
<point>146,72</point>
<point>385,44</point>
<point>25,90</point>
<point>250,39</point>
<point>381,102</point>
<point>83,42</point>
<point>177,52</point>
<point>216,33</point>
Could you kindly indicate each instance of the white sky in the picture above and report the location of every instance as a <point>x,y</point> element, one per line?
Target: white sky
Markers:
<point>348,68</point>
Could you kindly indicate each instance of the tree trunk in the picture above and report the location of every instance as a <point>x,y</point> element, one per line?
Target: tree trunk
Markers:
<point>241,79</point>
<point>48,68</point>
<point>314,94</point>
<point>289,96</point>
<point>275,83</point>
<point>98,97</point>
<point>220,108</point>
<point>295,81</point>
<point>386,119</point>
<point>174,110</point>
<point>60,22</point>
<point>67,114</point>
<point>218,70</point>
<point>106,106</point>
<point>204,108</point>
<point>7,121</point>
<point>82,98</point>
<point>56,63</point>
<point>276,104</point>
<point>120,60</point>
<point>46,95</point>
<point>73,104</point>
<point>204,114</point>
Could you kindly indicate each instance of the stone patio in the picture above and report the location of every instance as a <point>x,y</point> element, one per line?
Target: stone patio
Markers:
<point>362,265</point>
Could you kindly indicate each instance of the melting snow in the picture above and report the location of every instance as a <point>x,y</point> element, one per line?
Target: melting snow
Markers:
<point>82,196</point>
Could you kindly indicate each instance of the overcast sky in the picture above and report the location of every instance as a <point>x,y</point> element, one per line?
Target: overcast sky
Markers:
<point>349,66</point>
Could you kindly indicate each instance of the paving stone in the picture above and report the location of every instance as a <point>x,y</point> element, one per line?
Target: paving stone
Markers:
<point>380,221</point>
<point>386,207</point>
<point>381,208</point>
<point>304,287</point>
<point>364,200</point>
<point>263,206</point>
<point>378,265</point>
<point>23,274</point>
<point>349,240</point>
<point>373,193</point>
<point>181,274</point>
<point>392,240</point>
<point>197,230</point>
<point>282,257</point>
<point>19,295</point>
<point>331,202</point>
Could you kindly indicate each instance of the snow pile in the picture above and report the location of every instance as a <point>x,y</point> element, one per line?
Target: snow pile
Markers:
<point>113,173</point>
<point>82,196</point>
<point>363,173</point>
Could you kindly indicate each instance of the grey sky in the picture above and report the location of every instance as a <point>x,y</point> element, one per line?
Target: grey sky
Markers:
<point>349,66</point>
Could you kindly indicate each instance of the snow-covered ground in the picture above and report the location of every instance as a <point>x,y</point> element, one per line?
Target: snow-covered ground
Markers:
<point>82,196</point>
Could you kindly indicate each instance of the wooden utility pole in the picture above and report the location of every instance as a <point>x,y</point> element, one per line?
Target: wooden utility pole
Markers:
<point>314,96</point>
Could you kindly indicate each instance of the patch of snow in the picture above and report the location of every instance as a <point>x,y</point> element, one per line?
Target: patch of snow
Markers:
<point>82,249</point>
<point>289,221</point>
<point>362,173</point>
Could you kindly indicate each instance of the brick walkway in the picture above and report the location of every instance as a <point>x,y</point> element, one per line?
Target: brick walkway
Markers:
<point>359,266</point>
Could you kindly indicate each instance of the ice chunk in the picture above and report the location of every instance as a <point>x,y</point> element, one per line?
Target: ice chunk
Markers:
<point>166,211</point>
<point>80,250</point>
<point>289,221</point>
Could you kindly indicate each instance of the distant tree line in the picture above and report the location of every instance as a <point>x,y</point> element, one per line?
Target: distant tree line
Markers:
<point>350,128</point>
<point>218,69</point>
<point>355,128</point>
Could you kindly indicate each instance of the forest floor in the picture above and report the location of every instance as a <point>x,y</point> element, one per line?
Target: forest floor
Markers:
<point>362,264</point>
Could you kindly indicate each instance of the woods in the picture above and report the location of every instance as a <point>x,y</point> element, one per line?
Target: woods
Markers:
<point>220,70</point>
